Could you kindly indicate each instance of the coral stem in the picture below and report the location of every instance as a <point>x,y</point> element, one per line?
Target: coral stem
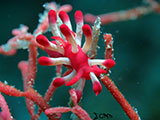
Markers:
<point>120,15</point>
<point>32,65</point>
<point>23,66</point>
<point>120,98</point>
<point>5,114</point>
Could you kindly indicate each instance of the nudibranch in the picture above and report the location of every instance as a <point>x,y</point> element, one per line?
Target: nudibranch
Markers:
<point>66,49</point>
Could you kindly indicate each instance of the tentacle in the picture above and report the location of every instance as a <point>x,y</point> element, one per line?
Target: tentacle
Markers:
<point>61,81</point>
<point>52,17</point>
<point>109,63</point>
<point>65,19</point>
<point>60,40</point>
<point>96,84</point>
<point>79,88</point>
<point>79,23</point>
<point>42,40</point>
<point>75,79</point>
<point>53,61</point>
<point>69,36</point>
<point>88,34</point>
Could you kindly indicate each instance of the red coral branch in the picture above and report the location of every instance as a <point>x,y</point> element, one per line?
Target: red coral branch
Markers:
<point>76,109</point>
<point>9,90</point>
<point>48,95</point>
<point>124,15</point>
<point>29,94</point>
<point>23,66</point>
<point>81,113</point>
<point>111,86</point>
<point>37,98</point>
<point>5,114</point>
<point>32,65</point>
<point>8,53</point>
<point>155,5</point>
<point>119,98</point>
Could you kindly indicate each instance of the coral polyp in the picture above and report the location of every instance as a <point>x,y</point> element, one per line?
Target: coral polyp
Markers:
<point>66,49</point>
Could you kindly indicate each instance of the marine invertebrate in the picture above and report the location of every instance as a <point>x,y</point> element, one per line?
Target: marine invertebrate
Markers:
<point>71,53</point>
<point>66,50</point>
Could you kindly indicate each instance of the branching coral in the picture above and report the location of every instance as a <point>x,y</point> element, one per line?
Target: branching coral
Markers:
<point>123,15</point>
<point>65,50</point>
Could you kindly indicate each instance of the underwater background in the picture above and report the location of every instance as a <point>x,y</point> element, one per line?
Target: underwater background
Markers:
<point>136,49</point>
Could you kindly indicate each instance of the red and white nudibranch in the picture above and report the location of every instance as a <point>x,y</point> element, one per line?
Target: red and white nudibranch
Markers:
<point>66,49</point>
